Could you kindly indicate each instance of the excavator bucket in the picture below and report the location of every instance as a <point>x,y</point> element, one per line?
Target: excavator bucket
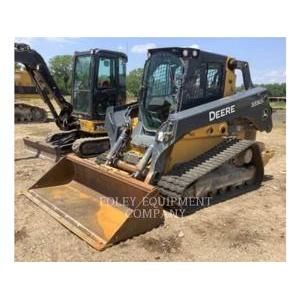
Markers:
<point>100,204</point>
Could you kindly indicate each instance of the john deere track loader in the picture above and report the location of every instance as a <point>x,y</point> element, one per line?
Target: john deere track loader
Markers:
<point>190,138</point>
<point>98,81</point>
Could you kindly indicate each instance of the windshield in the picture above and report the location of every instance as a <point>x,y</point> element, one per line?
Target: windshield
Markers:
<point>81,92</point>
<point>162,81</point>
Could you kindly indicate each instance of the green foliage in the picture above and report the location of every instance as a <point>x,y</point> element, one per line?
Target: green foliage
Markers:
<point>61,69</point>
<point>274,89</point>
<point>133,81</point>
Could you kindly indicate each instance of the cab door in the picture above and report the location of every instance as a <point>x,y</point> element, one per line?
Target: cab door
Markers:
<point>81,90</point>
<point>105,92</point>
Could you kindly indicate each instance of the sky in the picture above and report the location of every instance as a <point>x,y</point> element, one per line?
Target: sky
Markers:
<point>266,56</point>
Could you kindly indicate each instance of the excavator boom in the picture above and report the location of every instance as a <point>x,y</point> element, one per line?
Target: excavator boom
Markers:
<point>46,85</point>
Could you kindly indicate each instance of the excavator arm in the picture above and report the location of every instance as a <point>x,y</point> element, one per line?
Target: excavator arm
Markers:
<point>46,86</point>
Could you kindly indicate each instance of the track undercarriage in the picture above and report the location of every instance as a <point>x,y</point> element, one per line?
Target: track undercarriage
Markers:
<point>231,168</point>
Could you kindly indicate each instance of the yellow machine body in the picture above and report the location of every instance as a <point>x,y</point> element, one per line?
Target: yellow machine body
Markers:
<point>92,126</point>
<point>23,81</point>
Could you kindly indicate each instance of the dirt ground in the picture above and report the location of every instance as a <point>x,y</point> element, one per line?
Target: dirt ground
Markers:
<point>250,227</point>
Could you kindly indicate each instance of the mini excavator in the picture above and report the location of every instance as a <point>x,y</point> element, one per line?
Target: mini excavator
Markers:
<point>98,81</point>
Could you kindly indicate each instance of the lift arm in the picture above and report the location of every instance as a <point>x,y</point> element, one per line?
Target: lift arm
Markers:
<point>46,85</point>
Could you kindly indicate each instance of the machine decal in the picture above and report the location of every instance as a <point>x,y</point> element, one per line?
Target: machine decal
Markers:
<point>217,114</point>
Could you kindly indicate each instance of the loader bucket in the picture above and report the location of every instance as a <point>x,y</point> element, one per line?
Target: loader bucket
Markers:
<point>102,205</point>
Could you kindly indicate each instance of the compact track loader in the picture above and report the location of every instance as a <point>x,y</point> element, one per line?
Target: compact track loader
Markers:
<point>190,138</point>
<point>98,81</point>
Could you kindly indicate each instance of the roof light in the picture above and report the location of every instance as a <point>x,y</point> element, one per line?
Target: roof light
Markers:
<point>195,53</point>
<point>185,52</point>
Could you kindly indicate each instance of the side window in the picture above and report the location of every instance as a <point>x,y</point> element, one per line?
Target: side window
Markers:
<point>106,73</point>
<point>213,80</point>
<point>194,86</point>
<point>177,77</point>
<point>122,71</point>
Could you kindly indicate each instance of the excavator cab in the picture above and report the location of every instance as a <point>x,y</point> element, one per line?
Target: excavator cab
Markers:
<point>98,82</point>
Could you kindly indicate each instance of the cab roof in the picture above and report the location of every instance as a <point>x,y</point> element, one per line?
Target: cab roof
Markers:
<point>179,52</point>
<point>98,51</point>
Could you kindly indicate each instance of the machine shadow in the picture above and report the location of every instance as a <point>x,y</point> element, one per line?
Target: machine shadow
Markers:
<point>217,199</point>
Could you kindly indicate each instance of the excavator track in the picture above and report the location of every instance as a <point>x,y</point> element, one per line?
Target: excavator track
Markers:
<point>185,179</point>
<point>25,113</point>
<point>87,147</point>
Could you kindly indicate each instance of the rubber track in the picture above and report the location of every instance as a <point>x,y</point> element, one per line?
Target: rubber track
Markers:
<point>78,146</point>
<point>184,175</point>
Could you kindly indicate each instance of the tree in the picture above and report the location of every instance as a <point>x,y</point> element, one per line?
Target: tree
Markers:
<point>274,89</point>
<point>61,69</point>
<point>133,81</point>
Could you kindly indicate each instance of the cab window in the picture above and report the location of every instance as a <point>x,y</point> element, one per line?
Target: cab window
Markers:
<point>81,91</point>
<point>122,71</point>
<point>213,80</point>
<point>106,73</point>
<point>82,72</point>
